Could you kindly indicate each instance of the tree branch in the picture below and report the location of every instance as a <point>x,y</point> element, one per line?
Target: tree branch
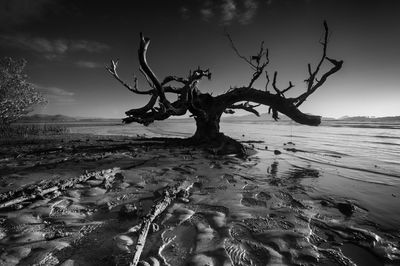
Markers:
<point>246,106</point>
<point>112,69</point>
<point>198,74</point>
<point>255,61</point>
<point>268,80</point>
<point>147,78</point>
<point>204,106</point>
<point>337,65</point>
<point>276,102</point>
<point>288,88</point>
<point>146,117</point>
<point>144,44</point>
<point>144,109</point>
<point>173,78</point>
<point>311,87</point>
<point>237,52</point>
<point>278,92</point>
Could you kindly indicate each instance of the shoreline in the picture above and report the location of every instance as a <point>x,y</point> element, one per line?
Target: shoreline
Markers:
<point>234,205</point>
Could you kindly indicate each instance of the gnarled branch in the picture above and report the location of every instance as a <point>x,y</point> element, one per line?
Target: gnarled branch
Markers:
<point>207,109</point>
<point>144,109</point>
<point>337,65</point>
<point>112,69</point>
<point>279,92</point>
<point>311,87</point>
<point>276,102</point>
<point>245,106</point>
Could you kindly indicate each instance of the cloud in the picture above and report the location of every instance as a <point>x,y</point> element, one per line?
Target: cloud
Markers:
<point>49,48</point>
<point>225,11</point>
<point>88,46</point>
<point>250,8</point>
<point>14,12</point>
<point>228,11</point>
<point>55,95</point>
<point>89,64</point>
<point>184,11</point>
<point>206,13</point>
<point>244,13</point>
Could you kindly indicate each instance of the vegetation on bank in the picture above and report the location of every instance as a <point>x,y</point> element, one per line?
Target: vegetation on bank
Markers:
<point>17,131</point>
<point>17,96</point>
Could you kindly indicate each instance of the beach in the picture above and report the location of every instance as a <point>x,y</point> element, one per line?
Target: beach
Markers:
<point>325,195</point>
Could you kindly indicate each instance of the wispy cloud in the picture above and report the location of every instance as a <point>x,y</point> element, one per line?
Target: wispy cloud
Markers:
<point>184,11</point>
<point>206,13</point>
<point>56,96</point>
<point>244,13</point>
<point>89,64</point>
<point>14,12</point>
<point>88,46</point>
<point>51,48</point>
<point>250,8</point>
<point>228,11</point>
<point>225,11</point>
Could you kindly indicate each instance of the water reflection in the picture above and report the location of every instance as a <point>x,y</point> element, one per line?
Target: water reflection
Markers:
<point>291,176</point>
<point>273,169</point>
<point>300,172</point>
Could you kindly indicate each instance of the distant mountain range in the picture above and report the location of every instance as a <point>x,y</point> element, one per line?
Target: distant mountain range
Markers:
<point>267,117</point>
<point>42,118</point>
<point>370,119</point>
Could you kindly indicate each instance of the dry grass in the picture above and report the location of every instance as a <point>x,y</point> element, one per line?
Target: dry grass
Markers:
<point>23,131</point>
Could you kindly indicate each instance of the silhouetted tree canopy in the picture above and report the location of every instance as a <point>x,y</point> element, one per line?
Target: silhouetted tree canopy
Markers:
<point>17,96</point>
<point>207,109</point>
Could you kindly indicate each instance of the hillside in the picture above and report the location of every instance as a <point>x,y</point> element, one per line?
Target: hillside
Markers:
<point>265,117</point>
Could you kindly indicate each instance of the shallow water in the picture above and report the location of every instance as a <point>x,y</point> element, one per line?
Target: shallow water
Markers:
<point>287,209</point>
<point>355,161</point>
<point>361,163</point>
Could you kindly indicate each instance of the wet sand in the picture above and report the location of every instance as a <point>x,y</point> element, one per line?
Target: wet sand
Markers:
<point>257,211</point>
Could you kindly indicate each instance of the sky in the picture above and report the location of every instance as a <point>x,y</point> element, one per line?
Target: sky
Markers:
<point>67,44</point>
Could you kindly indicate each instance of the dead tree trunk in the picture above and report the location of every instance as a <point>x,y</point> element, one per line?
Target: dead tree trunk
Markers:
<point>207,109</point>
<point>207,129</point>
<point>208,133</point>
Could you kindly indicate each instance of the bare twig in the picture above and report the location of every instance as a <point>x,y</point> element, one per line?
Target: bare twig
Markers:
<point>311,87</point>
<point>112,69</point>
<point>256,62</point>
<point>288,88</point>
<point>268,80</point>
<point>237,51</point>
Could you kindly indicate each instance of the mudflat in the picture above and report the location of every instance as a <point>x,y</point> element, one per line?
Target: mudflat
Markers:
<point>80,199</point>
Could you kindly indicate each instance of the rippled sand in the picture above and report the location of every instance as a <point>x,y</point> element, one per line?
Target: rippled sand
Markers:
<point>265,210</point>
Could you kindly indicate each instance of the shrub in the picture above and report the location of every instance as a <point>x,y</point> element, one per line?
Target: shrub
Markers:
<point>17,96</point>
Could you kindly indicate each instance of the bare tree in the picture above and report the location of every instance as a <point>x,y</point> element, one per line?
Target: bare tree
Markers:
<point>207,109</point>
<point>17,96</point>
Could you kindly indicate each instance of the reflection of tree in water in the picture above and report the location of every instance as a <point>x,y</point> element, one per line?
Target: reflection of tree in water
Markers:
<point>273,169</point>
<point>273,174</point>
<point>295,175</point>
<point>300,172</point>
<point>292,175</point>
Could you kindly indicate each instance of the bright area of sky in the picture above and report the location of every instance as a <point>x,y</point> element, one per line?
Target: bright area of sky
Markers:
<point>67,44</point>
